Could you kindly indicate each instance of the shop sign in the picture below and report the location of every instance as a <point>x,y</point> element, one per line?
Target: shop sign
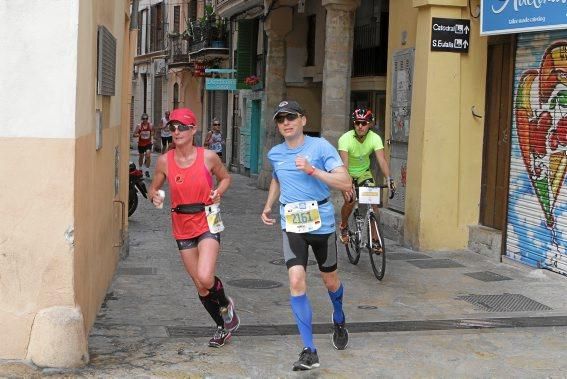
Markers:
<point>216,84</point>
<point>450,34</point>
<point>514,16</point>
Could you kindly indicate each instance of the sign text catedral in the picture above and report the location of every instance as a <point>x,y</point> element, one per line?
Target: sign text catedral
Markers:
<point>450,34</point>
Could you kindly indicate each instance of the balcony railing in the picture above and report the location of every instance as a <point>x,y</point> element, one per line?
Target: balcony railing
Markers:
<point>178,50</point>
<point>370,51</point>
<point>212,33</point>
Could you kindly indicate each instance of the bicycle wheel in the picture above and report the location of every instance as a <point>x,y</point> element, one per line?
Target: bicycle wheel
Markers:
<point>376,248</point>
<point>353,245</point>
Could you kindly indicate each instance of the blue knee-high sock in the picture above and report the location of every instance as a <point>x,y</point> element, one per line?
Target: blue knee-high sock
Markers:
<point>303,314</point>
<point>337,300</point>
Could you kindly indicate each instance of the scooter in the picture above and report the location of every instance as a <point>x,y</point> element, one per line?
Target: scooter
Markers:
<point>136,185</point>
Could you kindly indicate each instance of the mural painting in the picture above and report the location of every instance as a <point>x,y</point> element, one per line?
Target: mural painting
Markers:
<point>537,217</point>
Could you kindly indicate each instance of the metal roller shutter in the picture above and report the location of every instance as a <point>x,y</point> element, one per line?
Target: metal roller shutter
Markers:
<point>537,204</point>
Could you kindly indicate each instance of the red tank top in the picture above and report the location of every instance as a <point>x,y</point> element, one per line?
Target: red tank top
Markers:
<point>145,137</point>
<point>189,185</point>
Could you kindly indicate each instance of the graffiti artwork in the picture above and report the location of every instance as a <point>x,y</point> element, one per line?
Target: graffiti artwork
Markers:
<point>539,154</point>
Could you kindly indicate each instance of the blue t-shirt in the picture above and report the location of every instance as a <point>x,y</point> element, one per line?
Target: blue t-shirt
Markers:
<point>296,185</point>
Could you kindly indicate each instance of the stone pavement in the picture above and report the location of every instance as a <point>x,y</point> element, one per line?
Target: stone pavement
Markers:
<point>435,314</point>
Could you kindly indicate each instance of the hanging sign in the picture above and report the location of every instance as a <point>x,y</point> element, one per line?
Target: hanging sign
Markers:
<point>514,16</point>
<point>450,34</point>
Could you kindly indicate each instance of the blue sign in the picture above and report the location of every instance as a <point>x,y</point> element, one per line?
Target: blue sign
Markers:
<point>514,16</point>
<point>220,70</point>
<point>216,84</point>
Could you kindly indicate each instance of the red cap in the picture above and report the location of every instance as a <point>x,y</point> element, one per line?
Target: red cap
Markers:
<point>183,115</point>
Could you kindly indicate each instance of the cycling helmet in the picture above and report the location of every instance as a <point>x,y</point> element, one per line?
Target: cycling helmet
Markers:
<point>362,114</point>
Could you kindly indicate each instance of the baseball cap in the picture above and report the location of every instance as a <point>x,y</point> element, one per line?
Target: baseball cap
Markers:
<point>288,106</point>
<point>182,115</point>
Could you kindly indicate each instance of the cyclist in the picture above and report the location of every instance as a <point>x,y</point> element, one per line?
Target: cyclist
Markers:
<point>304,168</point>
<point>355,148</point>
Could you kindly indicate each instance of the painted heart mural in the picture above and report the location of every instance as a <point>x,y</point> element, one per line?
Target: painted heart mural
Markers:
<point>540,108</point>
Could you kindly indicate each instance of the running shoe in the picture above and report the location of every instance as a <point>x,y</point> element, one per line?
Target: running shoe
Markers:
<point>220,337</point>
<point>340,335</point>
<point>307,360</point>
<point>147,174</point>
<point>231,320</point>
<point>343,234</point>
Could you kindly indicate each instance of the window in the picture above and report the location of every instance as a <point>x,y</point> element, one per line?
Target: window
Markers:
<point>156,28</point>
<point>176,17</point>
<point>246,51</point>
<point>175,96</point>
<point>311,29</point>
<point>192,10</point>
<point>106,62</point>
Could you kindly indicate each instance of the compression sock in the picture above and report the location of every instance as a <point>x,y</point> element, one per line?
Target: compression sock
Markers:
<point>212,306</point>
<point>217,292</point>
<point>337,300</point>
<point>303,314</point>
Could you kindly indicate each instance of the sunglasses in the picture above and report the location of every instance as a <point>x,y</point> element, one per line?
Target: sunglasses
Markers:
<point>180,127</point>
<point>288,116</point>
<point>363,123</point>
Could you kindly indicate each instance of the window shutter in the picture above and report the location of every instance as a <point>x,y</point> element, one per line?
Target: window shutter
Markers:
<point>246,51</point>
<point>106,62</point>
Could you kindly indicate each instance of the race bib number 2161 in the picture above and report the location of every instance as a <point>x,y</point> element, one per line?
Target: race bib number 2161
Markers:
<point>302,217</point>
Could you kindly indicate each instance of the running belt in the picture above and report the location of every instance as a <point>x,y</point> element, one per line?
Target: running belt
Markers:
<point>320,202</point>
<point>189,208</point>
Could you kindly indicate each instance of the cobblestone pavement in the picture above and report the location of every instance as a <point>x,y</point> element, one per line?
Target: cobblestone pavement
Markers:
<point>504,320</point>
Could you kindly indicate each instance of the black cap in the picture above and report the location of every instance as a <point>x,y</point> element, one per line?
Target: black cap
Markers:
<point>288,106</point>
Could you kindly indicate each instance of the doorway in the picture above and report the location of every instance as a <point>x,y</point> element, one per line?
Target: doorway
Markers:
<point>255,136</point>
<point>496,155</point>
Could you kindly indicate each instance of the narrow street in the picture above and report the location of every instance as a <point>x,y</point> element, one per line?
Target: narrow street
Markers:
<point>413,323</point>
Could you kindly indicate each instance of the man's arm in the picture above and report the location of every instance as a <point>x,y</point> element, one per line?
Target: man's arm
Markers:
<point>347,195</point>
<point>273,194</point>
<point>381,158</point>
<point>338,178</point>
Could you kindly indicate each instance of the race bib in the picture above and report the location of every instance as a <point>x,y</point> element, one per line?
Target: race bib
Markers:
<point>214,220</point>
<point>302,217</point>
<point>145,134</point>
<point>369,195</point>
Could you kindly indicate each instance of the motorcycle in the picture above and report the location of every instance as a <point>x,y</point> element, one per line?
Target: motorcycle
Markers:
<point>136,185</point>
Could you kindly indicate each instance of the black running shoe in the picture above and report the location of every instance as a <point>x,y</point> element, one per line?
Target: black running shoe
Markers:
<point>307,360</point>
<point>340,335</point>
<point>220,337</point>
<point>147,174</point>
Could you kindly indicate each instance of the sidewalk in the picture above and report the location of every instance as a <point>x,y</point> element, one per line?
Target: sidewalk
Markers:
<point>469,317</point>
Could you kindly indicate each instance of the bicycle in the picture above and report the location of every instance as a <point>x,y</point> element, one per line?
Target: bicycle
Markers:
<point>364,230</point>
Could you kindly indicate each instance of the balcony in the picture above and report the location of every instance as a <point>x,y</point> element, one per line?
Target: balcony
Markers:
<point>178,52</point>
<point>229,8</point>
<point>207,38</point>
<point>370,50</point>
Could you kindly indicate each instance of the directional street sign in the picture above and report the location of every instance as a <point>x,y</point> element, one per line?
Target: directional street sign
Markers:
<point>450,34</point>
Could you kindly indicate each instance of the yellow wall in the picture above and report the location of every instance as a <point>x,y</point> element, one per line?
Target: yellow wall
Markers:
<point>36,257</point>
<point>445,145</point>
<point>60,221</point>
<point>98,218</point>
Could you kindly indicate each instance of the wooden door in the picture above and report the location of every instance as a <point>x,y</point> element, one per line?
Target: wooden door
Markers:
<point>497,126</point>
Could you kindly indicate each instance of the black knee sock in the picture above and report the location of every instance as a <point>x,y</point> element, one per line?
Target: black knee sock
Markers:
<point>212,306</point>
<point>217,293</point>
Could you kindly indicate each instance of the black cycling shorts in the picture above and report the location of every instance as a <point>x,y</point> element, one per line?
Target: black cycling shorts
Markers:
<point>324,246</point>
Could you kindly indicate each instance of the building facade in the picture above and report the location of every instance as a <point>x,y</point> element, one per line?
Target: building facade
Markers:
<point>64,224</point>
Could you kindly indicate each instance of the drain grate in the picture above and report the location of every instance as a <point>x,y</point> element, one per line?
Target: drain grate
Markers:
<point>508,302</point>
<point>434,263</point>
<point>281,262</point>
<point>137,271</point>
<point>257,284</point>
<point>487,276</point>
<point>405,256</point>
<point>380,326</point>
